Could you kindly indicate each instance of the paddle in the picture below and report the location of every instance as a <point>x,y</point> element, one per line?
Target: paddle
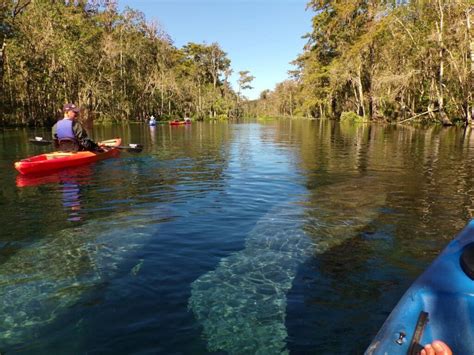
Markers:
<point>40,141</point>
<point>133,148</point>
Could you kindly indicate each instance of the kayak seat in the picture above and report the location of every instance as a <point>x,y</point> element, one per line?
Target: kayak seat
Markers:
<point>467,260</point>
<point>68,145</point>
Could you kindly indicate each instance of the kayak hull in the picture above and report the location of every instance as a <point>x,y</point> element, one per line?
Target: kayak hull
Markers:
<point>179,123</point>
<point>444,293</point>
<point>76,175</point>
<point>43,163</point>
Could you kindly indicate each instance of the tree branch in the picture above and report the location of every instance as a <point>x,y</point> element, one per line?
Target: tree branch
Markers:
<point>419,115</point>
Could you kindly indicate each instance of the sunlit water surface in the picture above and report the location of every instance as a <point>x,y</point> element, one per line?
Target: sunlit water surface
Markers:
<point>275,237</point>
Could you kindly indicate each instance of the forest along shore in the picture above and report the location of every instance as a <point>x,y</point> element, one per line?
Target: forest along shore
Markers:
<point>396,61</point>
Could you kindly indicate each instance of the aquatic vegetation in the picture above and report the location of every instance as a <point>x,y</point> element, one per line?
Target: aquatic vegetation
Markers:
<point>242,303</point>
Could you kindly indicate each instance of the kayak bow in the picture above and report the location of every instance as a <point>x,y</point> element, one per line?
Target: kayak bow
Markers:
<point>438,305</point>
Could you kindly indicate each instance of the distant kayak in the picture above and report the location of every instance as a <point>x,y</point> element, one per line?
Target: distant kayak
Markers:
<point>44,163</point>
<point>179,123</point>
<point>439,305</point>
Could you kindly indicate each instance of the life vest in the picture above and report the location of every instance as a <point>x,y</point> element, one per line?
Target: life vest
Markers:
<point>67,140</point>
<point>64,129</point>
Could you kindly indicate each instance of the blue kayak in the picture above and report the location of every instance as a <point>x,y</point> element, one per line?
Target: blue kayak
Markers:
<point>439,305</point>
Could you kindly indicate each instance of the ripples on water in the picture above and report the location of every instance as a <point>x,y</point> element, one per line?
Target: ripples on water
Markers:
<point>288,236</point>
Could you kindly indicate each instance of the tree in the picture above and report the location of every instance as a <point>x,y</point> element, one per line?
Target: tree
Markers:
<point>387,60</point>
<point>116,65</point>
<point>9,11</point>
<point>245,79</point>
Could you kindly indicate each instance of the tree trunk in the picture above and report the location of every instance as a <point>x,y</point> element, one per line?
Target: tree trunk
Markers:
<point>90,109</point>
<point>470,39</point>
<point>291,104</point>
<point>199,100</point>
<point>360,92</point>
<point>2,84</point>
<point>121,64</point>
<point>162,100</point>
<point>373,105</point>
<point>356,95</point>
<point>440,27</point>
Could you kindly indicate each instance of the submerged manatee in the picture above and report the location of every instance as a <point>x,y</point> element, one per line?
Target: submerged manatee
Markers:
<point>242,303</point>
<point>41,281</point>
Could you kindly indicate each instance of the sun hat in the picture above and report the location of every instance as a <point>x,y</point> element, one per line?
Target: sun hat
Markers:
<point>71,107</point>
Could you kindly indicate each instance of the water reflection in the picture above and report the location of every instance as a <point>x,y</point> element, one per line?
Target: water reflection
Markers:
<point>426,178</point>
<point>68,181</point>
<point>71,200</point>
<point>153,135</point>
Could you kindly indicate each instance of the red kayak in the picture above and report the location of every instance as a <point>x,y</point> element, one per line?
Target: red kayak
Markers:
<point>179,123</point>
<point>58,160</point>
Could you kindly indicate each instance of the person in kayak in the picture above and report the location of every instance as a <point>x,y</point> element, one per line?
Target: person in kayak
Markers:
<point>68,133</point>
<point>436,348</point>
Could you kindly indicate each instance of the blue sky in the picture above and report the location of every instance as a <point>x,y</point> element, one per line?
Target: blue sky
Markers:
<point>261,36</point>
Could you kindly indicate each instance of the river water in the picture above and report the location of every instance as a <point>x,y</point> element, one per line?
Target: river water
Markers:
<point>271,237</point>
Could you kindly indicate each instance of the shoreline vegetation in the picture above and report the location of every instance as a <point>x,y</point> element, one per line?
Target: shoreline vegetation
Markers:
<point>397,61</point>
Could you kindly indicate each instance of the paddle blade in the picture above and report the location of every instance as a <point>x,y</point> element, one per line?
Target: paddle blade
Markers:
<point>134,148</point>
<point>40,141</point>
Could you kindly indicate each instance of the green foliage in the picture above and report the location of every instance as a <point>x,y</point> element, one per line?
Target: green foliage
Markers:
<point>117,66</point>
<point>221,117</point>
<point>245,79</point>
<point>384,60</point>
<point>351,117</point>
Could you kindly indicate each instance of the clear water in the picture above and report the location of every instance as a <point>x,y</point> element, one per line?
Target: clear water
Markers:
<point>277,237</point>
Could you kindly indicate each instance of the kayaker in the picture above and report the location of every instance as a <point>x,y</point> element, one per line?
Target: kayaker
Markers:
<point>68,133</point>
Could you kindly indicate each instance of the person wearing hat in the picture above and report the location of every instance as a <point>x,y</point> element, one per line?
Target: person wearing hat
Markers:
<point>68,133</point>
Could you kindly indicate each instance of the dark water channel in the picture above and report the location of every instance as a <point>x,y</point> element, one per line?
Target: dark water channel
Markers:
<point>276,237</point>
